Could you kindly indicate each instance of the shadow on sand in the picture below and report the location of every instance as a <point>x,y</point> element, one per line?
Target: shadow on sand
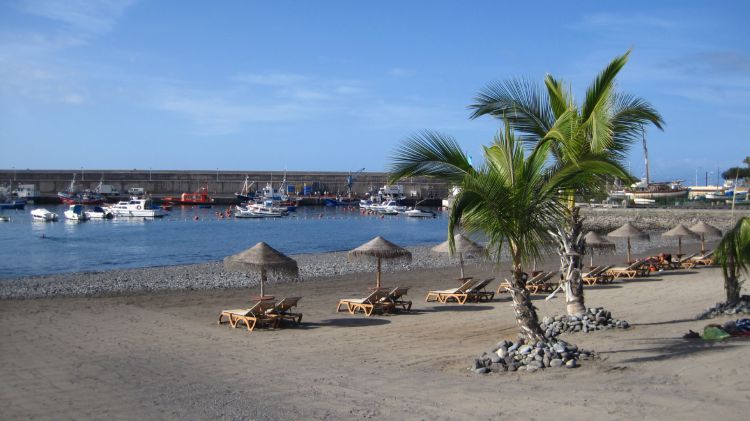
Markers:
<point>457,307</point>
<point>353,321</point>
<point>668,348</point>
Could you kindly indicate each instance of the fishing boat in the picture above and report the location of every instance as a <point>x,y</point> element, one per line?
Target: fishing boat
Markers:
<point>266,209</point>
<point>389,206</point>
<point>19,204</point>
<point>245,195</point>
<point>420,213</point>
<point>200,197</point>
<point>27,192</point>
<point>137,207</point>
<point>70,196</point>
<point>76,213</point>
<point>41,214</point>
<point>98,212</point>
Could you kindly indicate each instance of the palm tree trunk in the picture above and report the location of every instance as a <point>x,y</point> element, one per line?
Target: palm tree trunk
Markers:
<point>525,311</point>
<point>572,247</point>
<point>731,283</point>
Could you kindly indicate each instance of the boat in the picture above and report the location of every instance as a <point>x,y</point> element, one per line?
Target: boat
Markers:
<point>420,213</point>
<point>76,213</point>
<point>279,198</point>
<point>245,195</point>
<point>266,209</point>
<point>27,192</point>
<point>645,189</point>
<point>70,196</point>
<point>98,212</point>
<point>19,204</point>
<point>137,207</point>
<point>643,201</point>
<point>390,206</point>
<point>4,218</point>
<point>41,214</point>
<point>200,197</point>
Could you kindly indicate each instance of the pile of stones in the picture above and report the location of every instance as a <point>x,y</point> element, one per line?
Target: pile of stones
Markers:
<point>741,307</point>
<point>594,319</point>
<point>531,356</point>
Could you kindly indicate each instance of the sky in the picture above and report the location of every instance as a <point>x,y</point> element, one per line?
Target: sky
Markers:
<point>337,85</point>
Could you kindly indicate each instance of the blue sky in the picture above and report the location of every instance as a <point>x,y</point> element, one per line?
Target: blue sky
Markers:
<point>336,85</point>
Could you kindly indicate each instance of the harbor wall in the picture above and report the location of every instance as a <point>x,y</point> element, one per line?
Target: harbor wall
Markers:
<point>221,184</point>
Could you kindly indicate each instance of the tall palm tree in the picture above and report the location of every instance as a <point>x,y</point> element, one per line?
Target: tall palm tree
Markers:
<point>512,198</point>
<point>602,128</point>
<point>733,253</point>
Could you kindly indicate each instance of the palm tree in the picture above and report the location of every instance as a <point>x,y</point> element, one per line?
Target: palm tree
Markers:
<point>733,253</point>
<point>602,128</point>
<point>512,198</point>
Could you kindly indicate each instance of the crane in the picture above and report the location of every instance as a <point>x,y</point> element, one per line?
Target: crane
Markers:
<point>351,178</point>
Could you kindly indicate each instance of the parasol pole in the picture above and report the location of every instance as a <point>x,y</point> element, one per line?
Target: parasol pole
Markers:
<point>377,282</point>
<point>628,250</point>
<point>703,243</point>
<point>263,275</point>
<point>679,244</point>
<point>592,257</point>
<point>461,263</point>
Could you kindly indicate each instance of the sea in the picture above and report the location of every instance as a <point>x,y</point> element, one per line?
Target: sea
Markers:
<point>190,234</point>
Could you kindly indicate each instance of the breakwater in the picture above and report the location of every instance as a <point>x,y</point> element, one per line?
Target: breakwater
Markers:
<point>221,184</point>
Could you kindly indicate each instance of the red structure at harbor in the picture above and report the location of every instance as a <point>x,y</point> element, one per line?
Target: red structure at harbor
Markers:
<point>200,197</point>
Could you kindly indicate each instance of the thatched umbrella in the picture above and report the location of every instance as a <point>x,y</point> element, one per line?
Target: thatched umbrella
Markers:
<point>379,248</point>
<point>680,231</point>
<point>594,240</point>
<point>705,230</point>
<point>262,258</point>
<point>629,231</point>
<point>463,246</point>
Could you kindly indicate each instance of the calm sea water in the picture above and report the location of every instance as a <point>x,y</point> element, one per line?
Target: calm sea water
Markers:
<point>30,247</point>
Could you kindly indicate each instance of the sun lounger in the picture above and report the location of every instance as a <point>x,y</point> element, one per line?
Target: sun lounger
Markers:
<point>283,310</point>
<point>478,293</point>
<point>503,287</point>
<point>707,259</point>
<point>598,275</point>
<point>459,294</point>
<point>542,284</point>
<point>396,297</point>
<point>638,268</point>
<point>255,315</point>
<point>368,305</point>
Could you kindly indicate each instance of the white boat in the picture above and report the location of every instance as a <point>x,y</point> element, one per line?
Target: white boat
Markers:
<point>266,209</point>
<point>76,213</point>
<point>643,201</point>
<point>420,213</point>
<point>4,218</point>
<point>27,191</point>
<point>389,206</point>
<point>137,207</point>
<point>99,212</point>
<point>42,214</point>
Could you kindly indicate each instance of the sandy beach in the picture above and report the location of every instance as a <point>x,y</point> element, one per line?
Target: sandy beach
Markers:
<point>161,355</point>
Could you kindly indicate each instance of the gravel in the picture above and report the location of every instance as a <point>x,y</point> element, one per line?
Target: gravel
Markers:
<point>531,356</point>
<point>720,309</point>
<point>594,319</point>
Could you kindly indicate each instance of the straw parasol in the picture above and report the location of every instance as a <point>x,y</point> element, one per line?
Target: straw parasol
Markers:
<point>705,230</point>
<point>379,248</point>
<point>594,240</point>
<point>262,258</point>
<point>629,231</point>
<point>463,246</point>
<point>680,231</point>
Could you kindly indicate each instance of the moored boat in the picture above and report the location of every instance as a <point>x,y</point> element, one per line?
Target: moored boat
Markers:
<point>41,214</point>
<point>420,213</point>
<point>70,196</point>
<point>13,204</point>
<point>137,207</point>
<point>201,197</point>
<point>98,212</point>
<point>245,195</point>
<point>76,213</point>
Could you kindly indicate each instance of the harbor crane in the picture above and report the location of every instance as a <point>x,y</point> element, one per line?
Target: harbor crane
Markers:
<point>351,178</point>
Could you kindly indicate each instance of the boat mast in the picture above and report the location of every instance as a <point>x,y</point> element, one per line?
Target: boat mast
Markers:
<point>645,154</point>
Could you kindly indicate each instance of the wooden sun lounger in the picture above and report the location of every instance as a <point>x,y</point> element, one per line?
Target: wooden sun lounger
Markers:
<point>368,305</point>
<point>598,275</point>
<point>695,260</point>
<point>283,310</point>
<point>396,297</point>
<point>478,293</point>
<point>503,287</point>
<point>459,294</point>
<point>632,271</point>
<point>542,284</point>
<point>707,259</point>
<point>255,315</point>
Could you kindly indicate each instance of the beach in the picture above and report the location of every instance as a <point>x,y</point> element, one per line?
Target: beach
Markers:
<point>161,355</point>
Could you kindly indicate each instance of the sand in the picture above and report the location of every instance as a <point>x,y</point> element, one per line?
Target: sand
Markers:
<point>162,356</point>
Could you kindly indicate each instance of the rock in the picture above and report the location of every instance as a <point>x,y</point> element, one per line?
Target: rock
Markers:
<point>524,349</point>
<point>501,352</point>
<point>495,359</point>
<point>556,362</point>
<point>514,346</point>
<point>512,367</point>
<point>571,364</point>
<point>482,370</point>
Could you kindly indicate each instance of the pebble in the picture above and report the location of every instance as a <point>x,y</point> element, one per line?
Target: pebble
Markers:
<point>549,353</point>
<point>592,320</point>
<point>742,307</point>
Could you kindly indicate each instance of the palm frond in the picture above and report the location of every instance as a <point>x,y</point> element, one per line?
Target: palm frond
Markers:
<point>560,97</point>
<point>736,242</point>
<point>603,85</point>
<point>430,154</point>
